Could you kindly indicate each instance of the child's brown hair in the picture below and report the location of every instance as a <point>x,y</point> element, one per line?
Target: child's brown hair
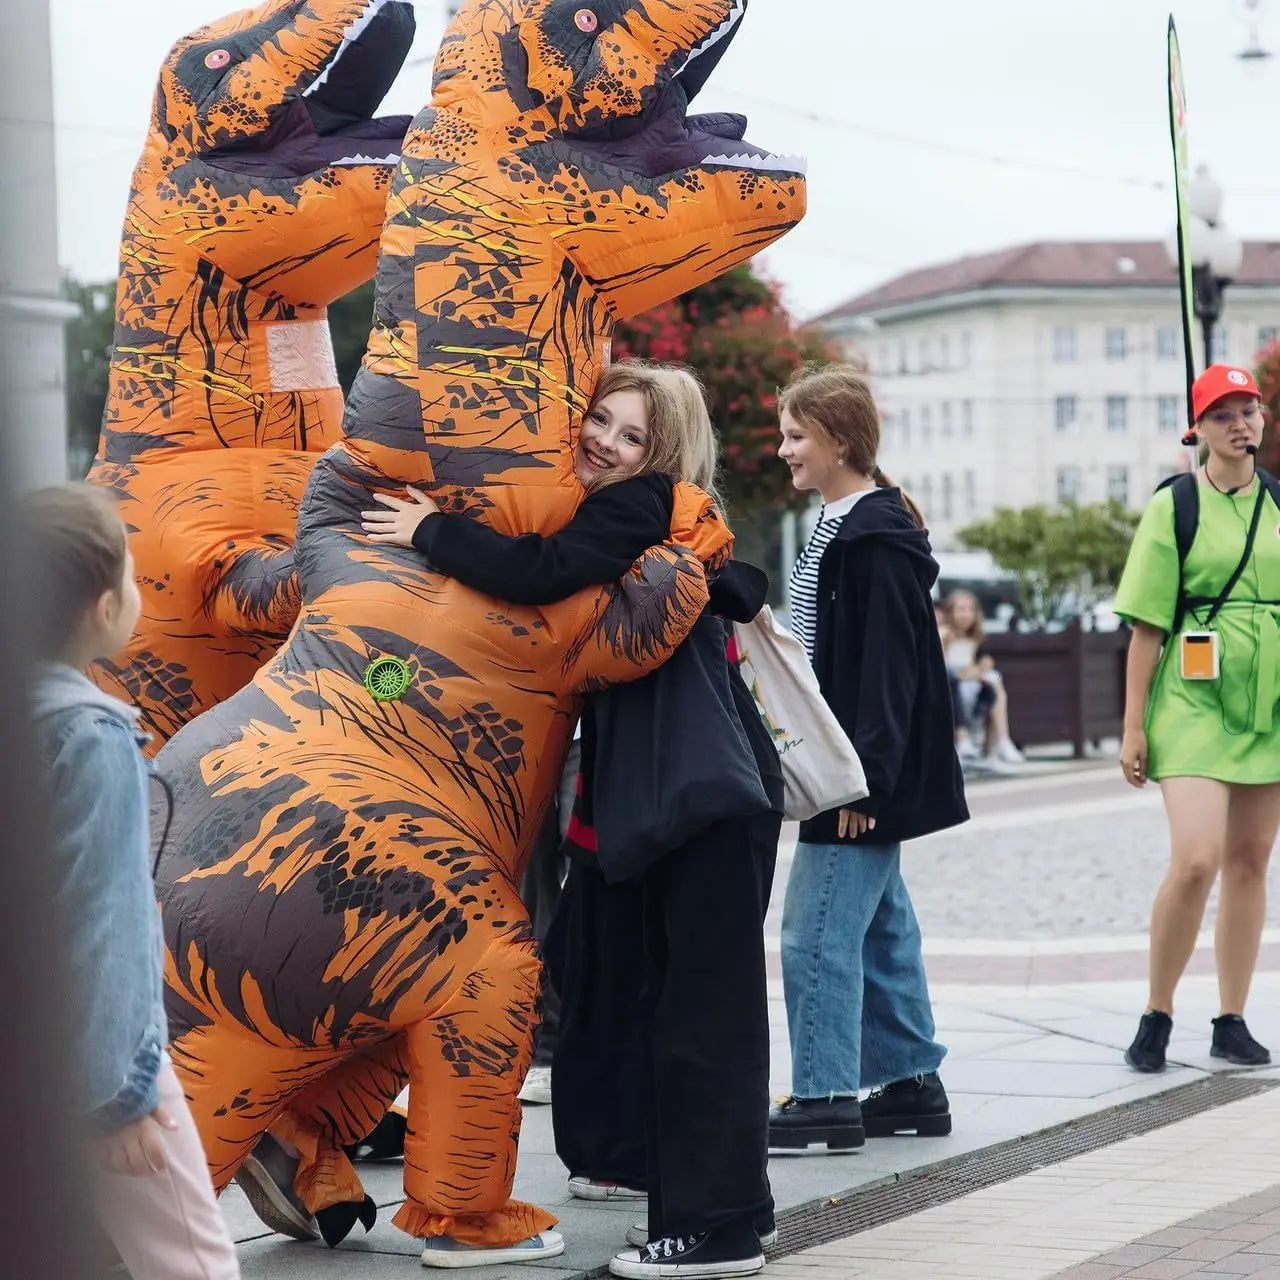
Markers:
<point>836,400</point>
<point>75,549</point>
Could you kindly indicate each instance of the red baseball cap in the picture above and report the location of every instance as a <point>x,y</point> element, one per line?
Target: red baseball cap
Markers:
<point>1216,383</point>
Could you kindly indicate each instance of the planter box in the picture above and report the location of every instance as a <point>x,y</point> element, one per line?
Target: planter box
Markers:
<point>1063,686</point>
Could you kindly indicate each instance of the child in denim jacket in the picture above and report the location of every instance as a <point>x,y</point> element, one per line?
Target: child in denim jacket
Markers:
<point>152,1190</point>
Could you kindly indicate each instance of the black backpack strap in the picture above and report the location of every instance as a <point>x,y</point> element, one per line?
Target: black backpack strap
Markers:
<point>1186,518</point>
<point>1271,483</point>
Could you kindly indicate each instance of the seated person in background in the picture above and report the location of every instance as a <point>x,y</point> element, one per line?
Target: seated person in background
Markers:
<point>979,692</point>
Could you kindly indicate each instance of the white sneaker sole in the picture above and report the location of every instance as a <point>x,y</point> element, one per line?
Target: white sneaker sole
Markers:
<point>589,1191</point>
<point>456,1259</point>
<point>271,1205</point>
<point>638,1235</point>
<point>631,1269</point>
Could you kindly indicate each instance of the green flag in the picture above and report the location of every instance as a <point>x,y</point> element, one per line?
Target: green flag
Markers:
<point>1182,180</point>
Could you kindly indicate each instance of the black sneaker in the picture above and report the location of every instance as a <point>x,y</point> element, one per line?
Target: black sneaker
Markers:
<point>1232,1041</point>
<point>918,1105</point>
<point>728,1251</point>
<point>1146,1053</point>
<point>766,1228</point>
<point>802,1122</point>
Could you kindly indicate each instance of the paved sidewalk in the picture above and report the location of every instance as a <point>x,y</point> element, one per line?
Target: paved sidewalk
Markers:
<point>1020,1061</point>
<point>1162,1206</point>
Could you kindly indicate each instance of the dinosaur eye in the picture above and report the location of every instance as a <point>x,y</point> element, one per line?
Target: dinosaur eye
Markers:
<point>586,20</point>
<point>216,60</point>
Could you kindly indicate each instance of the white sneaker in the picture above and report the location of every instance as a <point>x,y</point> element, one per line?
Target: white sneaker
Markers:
<point>444,1251</point>
<point>590,1189</point>
<point>1007,753</point>
<point>965,748</point>
<point>537,1087</point>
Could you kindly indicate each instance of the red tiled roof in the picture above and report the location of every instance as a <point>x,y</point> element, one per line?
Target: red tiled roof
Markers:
<point>1062,263</point>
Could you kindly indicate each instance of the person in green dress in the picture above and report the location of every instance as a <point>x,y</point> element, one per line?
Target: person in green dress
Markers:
<point>1213,744</point>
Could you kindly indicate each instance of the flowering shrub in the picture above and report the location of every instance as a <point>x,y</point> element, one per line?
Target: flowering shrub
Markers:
<point>737,335</point>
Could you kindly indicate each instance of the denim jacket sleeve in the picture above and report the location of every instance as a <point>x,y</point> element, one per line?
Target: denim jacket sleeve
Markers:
<point>109,917</point>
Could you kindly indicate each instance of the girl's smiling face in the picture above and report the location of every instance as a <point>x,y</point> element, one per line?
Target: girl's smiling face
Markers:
<point>614,439</point>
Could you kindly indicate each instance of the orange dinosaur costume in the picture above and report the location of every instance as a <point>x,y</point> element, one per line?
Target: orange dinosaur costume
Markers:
<point>258,200</point>
<point>340,892</point>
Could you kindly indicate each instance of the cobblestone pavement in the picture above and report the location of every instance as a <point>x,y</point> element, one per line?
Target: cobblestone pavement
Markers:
<point>1078,855</point>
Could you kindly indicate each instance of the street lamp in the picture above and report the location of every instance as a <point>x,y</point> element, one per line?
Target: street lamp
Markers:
<point>1216,254</point>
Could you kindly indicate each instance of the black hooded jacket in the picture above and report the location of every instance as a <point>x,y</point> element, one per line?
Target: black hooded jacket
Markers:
<point>879,663</point>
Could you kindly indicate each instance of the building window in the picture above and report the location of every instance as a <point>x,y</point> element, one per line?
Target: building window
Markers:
<point>886,431</point>
<point>882,358</point>
<point>903,364</point>
<point>970,492</point>
<point>1166,472</point>
<point>1266,336</point>
<point>944,352</point>
<point>1064,344</point>
<point>926,494</point>
<point>948,511</point>
<point>1068,484</point>
<point>1166,342</point>
<point>1117,342</point>
<point>1167,413</point>
<point>926,355</point>
<point>966,417</point>
<point>1117,413</point>
<point>946,419</point>
<point>926,426</point>
<point>1065,412</point>
<point>1118,485</point>
<point>966,349</point>
<point>904,428</point>
<point>1220,344</point>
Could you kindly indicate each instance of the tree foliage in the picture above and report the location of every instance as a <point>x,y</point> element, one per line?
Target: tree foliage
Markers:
<point>88,355</point>
<point>742,342</point>
<point>1065,558</point>
<point>1268,376</point>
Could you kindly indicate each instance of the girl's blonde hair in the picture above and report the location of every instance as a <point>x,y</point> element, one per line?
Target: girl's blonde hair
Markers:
<point>681,443</point>
<point>836,401</point>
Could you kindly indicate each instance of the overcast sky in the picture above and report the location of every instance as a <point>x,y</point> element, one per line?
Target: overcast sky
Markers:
<point>933,128</point>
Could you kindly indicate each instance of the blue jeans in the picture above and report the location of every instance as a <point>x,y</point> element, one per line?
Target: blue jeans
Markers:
<point>858,1008</point>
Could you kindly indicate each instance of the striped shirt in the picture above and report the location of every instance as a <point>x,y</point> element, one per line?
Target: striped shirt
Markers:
<point>804,577</point>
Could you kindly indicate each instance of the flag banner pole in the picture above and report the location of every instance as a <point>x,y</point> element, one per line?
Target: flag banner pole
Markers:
<point>1182,182</point>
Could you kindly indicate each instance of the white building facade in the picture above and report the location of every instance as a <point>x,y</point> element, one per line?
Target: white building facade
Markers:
<point>1041,374</point>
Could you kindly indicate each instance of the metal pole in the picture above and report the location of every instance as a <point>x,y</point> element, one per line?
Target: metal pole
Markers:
<point>32,314</point>
<point>1206,324</point>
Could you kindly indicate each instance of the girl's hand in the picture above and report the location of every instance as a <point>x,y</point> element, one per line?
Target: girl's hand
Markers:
<point>137,1150</point>
<point>397,525</point>
<point>1133,757</point>
<point>854,824</point>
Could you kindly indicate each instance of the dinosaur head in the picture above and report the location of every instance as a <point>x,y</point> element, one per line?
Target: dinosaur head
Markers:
<point>593,96</point>
<point>264,120</point>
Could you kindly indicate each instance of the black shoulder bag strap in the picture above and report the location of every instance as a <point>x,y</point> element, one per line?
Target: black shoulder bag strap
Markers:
<point>1244,559</point>
<point>1186,518</point>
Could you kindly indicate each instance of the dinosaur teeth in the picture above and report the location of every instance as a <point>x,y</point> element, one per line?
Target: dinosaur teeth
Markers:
<point>763,164</point>
<point>359,159</point>
<point>739,8</point>
<point>349,37</point>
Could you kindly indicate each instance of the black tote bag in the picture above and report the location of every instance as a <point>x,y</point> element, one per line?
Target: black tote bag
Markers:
<point>671,757</point>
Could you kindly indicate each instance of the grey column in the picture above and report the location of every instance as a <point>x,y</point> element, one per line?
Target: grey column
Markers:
<point>32,314</point>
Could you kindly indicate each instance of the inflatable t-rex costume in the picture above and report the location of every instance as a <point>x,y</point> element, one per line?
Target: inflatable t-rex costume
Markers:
<point>340,900</point>
<point>258,200</point>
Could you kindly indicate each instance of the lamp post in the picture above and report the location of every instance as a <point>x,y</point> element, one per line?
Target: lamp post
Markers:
<point>1216,254</point>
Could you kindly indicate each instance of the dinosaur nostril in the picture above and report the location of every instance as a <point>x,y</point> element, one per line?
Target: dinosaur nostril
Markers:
<point>216,60</point>
<point>586,20</point>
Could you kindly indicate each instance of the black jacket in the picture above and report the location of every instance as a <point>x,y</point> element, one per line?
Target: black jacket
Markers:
<point>879,663</point>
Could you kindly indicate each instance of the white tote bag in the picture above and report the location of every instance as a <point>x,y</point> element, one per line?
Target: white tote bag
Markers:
<point>820,768</point>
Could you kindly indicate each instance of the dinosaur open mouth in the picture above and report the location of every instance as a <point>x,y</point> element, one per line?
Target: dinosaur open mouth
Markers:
<point>330,122</point>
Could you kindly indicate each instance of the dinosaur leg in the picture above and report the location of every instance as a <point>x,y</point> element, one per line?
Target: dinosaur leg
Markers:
<point>339,1109</point>
<point>467,1063</point>
<point>237,1086</point>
